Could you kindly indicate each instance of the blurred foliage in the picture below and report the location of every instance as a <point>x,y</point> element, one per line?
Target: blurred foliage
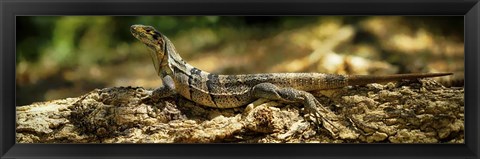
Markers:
<point>61,36</point>
<point>65,56</point>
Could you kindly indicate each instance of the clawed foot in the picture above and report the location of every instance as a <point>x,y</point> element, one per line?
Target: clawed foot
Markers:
<point>149,98</point>
<point>157,94</point>
<point>322,117</point>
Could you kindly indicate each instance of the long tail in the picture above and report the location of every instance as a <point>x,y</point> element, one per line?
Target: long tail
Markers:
<point>366,79</point>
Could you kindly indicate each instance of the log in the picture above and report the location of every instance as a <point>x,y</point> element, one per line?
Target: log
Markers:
<point>418,111</point>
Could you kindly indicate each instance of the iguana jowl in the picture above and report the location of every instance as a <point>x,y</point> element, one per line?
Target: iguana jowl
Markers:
<point>229,91</point>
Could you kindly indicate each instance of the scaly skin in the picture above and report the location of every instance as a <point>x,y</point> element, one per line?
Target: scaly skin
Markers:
<point>229,91</point>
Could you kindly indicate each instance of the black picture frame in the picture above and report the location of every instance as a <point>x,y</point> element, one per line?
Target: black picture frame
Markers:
<point>10,9</point>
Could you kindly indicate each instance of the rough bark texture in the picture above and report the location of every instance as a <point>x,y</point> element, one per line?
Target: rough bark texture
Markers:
<point>420,111</point>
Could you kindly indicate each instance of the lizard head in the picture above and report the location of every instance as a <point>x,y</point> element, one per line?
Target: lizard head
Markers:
<point>154,40</point>
<point>149,36</point>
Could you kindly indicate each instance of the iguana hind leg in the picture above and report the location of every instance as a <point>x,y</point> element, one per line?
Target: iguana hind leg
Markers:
<point>272,92</point>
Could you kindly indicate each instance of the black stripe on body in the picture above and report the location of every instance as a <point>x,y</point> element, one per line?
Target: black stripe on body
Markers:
<point>198,88</point>
<point>193,71</point>
<point>190,85</point>
<point>212,80</point>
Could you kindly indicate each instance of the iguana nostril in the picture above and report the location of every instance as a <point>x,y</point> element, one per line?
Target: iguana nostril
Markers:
<point>135,27</point>
<point>132,28</point>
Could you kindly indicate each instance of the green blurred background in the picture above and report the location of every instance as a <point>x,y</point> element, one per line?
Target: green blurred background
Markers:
<point>67,56</point>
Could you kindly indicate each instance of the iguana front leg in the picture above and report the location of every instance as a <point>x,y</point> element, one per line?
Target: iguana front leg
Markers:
<point>272,92</point>
<point>166,90</point>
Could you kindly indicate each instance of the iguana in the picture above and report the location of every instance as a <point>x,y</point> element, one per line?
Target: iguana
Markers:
<point>229,91</point>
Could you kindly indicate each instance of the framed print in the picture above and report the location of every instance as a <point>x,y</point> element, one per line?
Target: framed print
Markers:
<point>274,79</point>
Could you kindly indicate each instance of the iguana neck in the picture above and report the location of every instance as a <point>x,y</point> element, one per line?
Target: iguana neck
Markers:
<point>172,62</point>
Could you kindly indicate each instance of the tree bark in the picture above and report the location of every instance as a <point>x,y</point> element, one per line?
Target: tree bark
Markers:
<point>419,111</point>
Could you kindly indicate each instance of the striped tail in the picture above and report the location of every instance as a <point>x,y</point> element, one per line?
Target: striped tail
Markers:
<point>366,79</point>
